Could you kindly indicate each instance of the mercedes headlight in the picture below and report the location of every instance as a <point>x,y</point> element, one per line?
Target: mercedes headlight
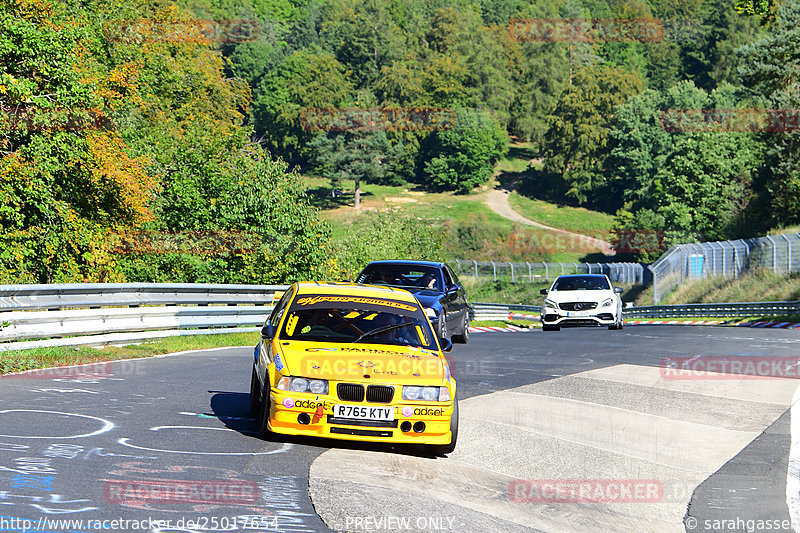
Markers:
<point>607,302</point>
<point>295,384</point>
<point>550,303</point>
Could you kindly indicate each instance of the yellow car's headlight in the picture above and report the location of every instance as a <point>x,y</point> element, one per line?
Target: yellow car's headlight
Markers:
<point>429,394</point>
<point>297,384</point>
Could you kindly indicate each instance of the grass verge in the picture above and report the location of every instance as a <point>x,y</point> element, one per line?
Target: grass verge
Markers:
<point>577,219</point>
<point>19,360</point>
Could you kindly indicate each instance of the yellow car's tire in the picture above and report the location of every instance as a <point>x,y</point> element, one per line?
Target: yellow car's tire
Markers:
<point>263,416</point>
<point>444,449</point>
<point>255,393</point>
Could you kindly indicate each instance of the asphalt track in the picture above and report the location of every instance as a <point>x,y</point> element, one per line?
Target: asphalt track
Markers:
<point>172,439</point>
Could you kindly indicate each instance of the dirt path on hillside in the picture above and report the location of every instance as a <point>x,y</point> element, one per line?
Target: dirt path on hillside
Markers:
<point>497,200</point>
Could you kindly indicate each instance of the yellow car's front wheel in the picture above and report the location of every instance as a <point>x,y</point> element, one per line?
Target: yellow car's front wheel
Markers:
<point>444,449</point>
<point>255,394</point>
<point>263,415</point>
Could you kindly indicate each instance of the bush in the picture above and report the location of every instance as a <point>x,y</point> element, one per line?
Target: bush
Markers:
<point>388,235</point>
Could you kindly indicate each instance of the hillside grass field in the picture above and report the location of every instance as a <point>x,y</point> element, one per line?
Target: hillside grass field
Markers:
<point>506,240</point>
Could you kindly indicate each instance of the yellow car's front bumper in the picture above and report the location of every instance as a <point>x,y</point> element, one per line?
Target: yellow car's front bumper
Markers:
<point>289,411</point>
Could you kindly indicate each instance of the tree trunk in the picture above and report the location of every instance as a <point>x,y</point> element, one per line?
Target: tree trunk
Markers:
<point>358,193</point>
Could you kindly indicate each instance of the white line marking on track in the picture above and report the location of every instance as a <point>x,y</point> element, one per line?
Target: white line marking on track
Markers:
<point>793,471</point>
<point>286,446</point>
<point>107,425</point>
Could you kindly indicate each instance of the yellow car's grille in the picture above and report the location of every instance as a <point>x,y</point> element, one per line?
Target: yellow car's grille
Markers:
<point>353,392</point>
<point>350,392</point>
<point>380,394</point>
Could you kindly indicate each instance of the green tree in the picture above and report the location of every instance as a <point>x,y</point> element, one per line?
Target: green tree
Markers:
<point>463,157</point>
<point>771,69</point>
<point>576,142</point>
<point>355,156</point>
<point>305,79</point>
<point>691,185</point>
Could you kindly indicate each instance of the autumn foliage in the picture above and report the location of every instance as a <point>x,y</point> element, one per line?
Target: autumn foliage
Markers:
<point>102,137</point>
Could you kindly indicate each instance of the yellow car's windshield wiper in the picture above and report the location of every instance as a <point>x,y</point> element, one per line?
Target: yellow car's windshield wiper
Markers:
<point>383,329</point>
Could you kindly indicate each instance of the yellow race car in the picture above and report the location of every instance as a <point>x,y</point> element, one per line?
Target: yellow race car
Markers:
<point>354,362</point>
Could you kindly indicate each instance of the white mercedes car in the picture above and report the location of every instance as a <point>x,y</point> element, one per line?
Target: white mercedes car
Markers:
<point>582,300</point>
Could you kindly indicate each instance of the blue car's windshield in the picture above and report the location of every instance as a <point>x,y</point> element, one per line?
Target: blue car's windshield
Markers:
<point>405,276</point>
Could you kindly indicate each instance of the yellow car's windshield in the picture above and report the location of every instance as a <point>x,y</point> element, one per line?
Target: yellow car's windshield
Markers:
<point>377,322</point>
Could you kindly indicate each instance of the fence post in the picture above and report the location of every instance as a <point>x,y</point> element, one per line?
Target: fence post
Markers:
<point>589,267</point>
<point>476,268</point>
<point>789,245</point>
<point>746,258</point>
<point>512,271</point>
<point>546,272</point>
<point>723,258</point>
<point>576,267</point>
<point>494,270</point>
<point>774,255</point>
<point>656,295</point>
<point>562,269</point>
<point>530,274</point>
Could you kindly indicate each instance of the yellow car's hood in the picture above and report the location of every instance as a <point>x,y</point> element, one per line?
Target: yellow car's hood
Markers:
<point>363,362</point>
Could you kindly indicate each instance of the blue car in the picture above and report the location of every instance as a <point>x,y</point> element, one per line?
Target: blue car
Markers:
<point>436,287</point>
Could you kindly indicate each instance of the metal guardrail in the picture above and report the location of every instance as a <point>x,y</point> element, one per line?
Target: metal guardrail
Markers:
<point>93,314</point>
<point>82,314</point>
<point>489,311</point>
<point>742,309</point>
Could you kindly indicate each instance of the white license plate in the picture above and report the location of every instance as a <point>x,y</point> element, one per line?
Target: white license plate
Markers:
<point>362,412</point>
<point>580,313</point>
